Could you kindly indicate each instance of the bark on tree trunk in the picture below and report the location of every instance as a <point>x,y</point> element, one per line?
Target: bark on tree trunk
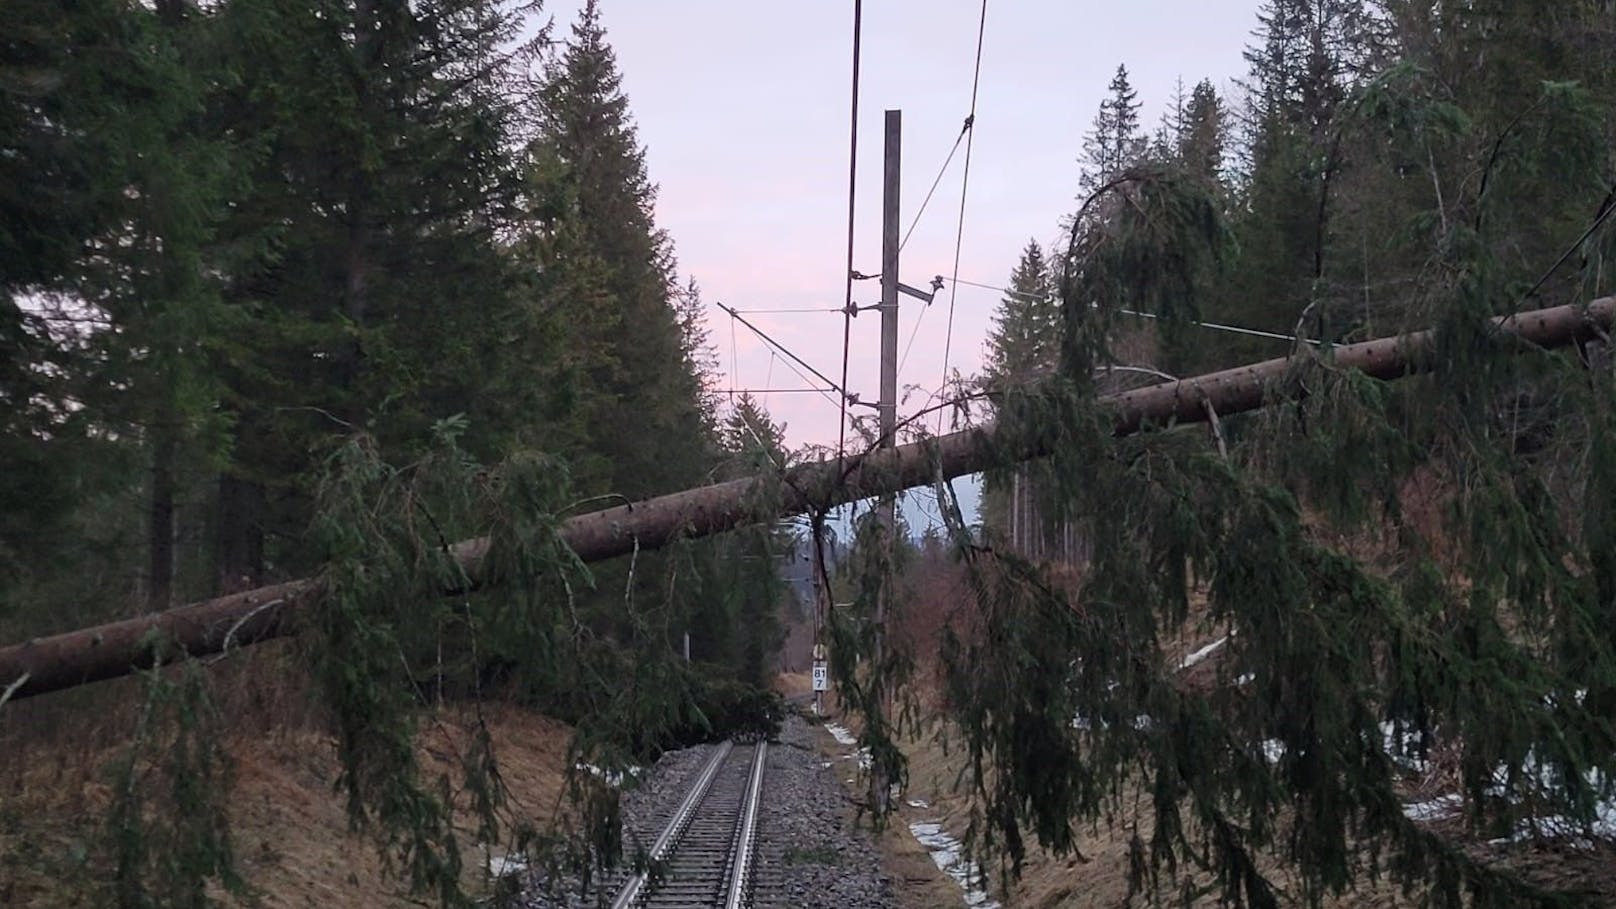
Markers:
<point>358,253</point>
<point>1015,510</point>
<point>238,535</point>
<point>160,526</point>
<point>118,648</point>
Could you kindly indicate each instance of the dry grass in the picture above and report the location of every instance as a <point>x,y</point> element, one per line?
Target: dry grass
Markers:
<point>289,824</point>
<point>292,835</point>
<point>1097,875</point>
<point>793,684</point>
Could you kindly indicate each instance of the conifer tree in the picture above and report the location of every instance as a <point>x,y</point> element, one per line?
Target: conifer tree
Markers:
<point>1295,152</point>
<point>1201,138</point>
<point>124,260</point>
<point>1115,141</point>
<point>627,330</point>
<point>378,294</point>
<point>1024,340</point>
<point>1023,347</point>
<point>632,348</point>
<point>57,192</point>
<point>1460,630</point>
<point>749,562</point>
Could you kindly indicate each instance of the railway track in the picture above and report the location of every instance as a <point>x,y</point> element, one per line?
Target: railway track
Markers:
<point>705,854</point>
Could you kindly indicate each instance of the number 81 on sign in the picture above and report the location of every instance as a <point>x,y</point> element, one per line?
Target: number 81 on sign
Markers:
<point>821,676</point>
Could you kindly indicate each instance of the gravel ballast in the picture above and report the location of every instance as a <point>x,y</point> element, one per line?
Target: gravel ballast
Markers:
<point>809,853</point>
<point>646,808</point>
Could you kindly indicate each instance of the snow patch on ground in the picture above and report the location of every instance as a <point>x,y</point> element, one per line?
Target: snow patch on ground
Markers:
<point>1403,747</point>
<point>1601,826</point>
<point>1444,806</point>
<point>1203,653</point>
<point>613,778</point>
<point>502,865</point>
<point>949,856</point>
<point>844,736</point>
<point>1141,722</point>
<point>840,734</point>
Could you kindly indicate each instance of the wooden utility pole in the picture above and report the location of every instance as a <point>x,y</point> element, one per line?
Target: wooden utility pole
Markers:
<point>118,648</point>
<point>888,405</point>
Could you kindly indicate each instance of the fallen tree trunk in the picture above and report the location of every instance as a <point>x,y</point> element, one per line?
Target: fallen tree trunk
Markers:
<point>214,626</point>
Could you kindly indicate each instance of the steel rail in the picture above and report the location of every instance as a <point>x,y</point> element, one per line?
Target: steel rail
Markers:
<point>669,838</point>
<point>740,879</point>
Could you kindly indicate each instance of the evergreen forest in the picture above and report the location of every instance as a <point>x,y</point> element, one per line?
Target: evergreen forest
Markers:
<point>311,292</point>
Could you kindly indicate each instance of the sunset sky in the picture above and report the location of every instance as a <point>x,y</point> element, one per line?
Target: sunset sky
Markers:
<point>743,109</point>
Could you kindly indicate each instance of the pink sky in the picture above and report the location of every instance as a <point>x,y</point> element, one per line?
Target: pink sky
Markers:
<point>743,109</point>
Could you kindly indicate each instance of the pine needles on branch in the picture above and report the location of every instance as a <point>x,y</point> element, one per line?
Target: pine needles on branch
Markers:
<point>1343,663</point>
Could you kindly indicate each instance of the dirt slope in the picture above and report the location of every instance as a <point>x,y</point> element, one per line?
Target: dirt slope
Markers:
<point>290,825</point>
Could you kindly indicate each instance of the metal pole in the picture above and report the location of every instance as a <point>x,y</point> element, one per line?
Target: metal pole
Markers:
<point>889,288</point>
<point>817,654</point>
<point>888,407</point>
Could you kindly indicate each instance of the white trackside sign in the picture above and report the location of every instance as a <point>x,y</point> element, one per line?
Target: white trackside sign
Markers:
<point>821,676</point>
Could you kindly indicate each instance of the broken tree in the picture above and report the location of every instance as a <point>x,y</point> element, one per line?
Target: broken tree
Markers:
<point>215,626</point>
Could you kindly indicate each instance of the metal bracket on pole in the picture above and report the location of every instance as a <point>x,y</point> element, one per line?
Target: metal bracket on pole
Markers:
<point>920,295</point>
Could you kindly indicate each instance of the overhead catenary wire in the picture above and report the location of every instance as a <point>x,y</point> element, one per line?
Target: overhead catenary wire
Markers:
<point>1606,209</point>
<point>793,358</point>
<point>782,391</point>
<point>965,188</point>
<point>791,311</point>
<point>913,333</point>
<point>1235,329</point>
<point>935,181</point>
<point>828,397</point>
<point>852,195</point>
<point>734,363</point>
<point>1214,326</point>
<point>768,380</point>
